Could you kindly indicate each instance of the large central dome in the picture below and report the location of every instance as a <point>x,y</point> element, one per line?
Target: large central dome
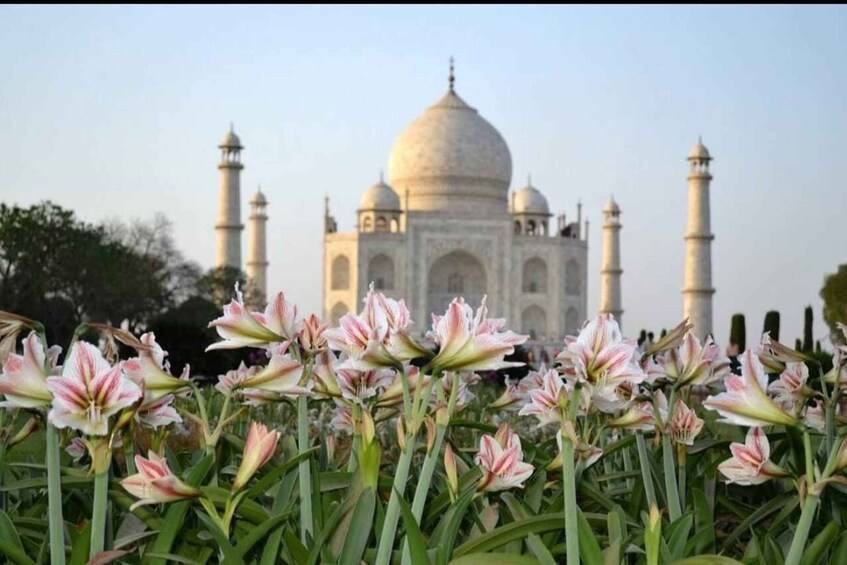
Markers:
<point>450,159</point>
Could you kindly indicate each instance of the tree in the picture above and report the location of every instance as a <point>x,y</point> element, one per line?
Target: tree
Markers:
<point>834,295</point>
<point>62,271</point>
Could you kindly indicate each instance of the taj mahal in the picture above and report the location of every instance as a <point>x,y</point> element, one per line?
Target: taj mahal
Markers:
<point>447,222</point>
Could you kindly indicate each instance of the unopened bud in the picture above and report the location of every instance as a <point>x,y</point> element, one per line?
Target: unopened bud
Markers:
<point>430,433</point>
<point>401,433</point>
<point>27,430</point>
<point>442,415</point>
<point>330,449</point>
<point>368,428</point>
<point>450,470</point>
<point>841,457</point>
<point>100,449</point>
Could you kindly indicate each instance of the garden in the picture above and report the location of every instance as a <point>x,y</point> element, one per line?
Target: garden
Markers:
<point>362,443</point>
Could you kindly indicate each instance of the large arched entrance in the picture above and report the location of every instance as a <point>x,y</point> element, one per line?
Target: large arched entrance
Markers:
<point>456,274</point>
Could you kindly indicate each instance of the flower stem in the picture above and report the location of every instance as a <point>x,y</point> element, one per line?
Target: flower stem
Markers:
<point>54,497</point>
<point>392,513</point>
<point>98,514</point>
<point>801,534</point>
<point>646,475</point>
<point>423,485</point>
<point>571,524</point>
<point>305,470</point>
<point>681,467</point>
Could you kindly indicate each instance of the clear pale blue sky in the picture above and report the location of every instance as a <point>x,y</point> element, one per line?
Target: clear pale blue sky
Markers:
<point>116,112</point>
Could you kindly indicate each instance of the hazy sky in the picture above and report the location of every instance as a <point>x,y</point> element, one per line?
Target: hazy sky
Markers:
<point>117,111</point>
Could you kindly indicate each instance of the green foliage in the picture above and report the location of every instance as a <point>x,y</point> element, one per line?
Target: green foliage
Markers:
<point>834,295</point>
<point>772,324</point>
<point>808,335</point>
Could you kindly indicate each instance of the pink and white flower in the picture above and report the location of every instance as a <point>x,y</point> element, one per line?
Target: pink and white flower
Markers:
<point>516,396</point>
<point>279,379</point>
<point>639,416</point>
<point>750,463</point>
<point>155,482</point>
<point>464,396</point>
<point>549,402</point>
<point>393,395</point>
<point>323,375</point>
<point>342,418</point>
<point>24,377</point>
<point>791,387</point>
<point>258,450</point>
<point>311,336</point>
<point>602,360</point>
<point>695,364</point>
<point>151,369</point>
<point>358,386</point>
<point>472,343</point>
<point>241,328</point>
<point>745,402</point>
<point>89,392</point>
<point>685,425</point>
<point>775,355</point>
<point>671,340</point>
<point>503,467</point>
<point>158,413</point>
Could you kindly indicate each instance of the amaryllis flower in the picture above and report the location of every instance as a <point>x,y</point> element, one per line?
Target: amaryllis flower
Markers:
<point>258,450</point>
<point>393,394</point>
<point>775,355</point>
<point>670,340</point>
<point>695,364</point>
<point>502,467</point>
<point>24,377</point>
<point>89,391</point>
<point>639,416</point>
<point>685,425</point>
<point>358,386</point>
<point>151,369</point>
<point>325,383</point>
<point>279,379</point>
<point>600,358</point>
<point>745,402</point>
<point>311,336</point>
<point>77,448</point>
<point>516,395</point>
<point>155,482</point>
<point>549,402</point>
<point>750,463</point>
<point>590,454</point>
<point>815,417</point>
<point>472,343</point>
<point>791,387</point>
<point>158,413</point>
<point>464,396</point>
<point>342,418</point>
<point>241,328</point>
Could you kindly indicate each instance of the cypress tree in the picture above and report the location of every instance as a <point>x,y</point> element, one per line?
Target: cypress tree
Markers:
<point>772,324</point>
<point>738,332</point>
<point>808,339</point>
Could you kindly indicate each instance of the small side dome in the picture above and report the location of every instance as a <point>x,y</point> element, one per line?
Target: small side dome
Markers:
<point>231,140</point>
<point>529,200</point>
<point>259,199</point>
<point>699,152</point>
<point>612,207</point>
<point>380,197</point>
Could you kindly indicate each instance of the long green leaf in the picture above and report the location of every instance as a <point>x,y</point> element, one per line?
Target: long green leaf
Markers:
<point>708,560</point>
<point>265,483</point>
<point>417,545</point>
<point>170,557</point>
<point>757,516</point>
<point>822,542</point>
<point>14,553</point>
<point>510,532</point>
<point>79,555</point>
<point>493,559</point>
<point>589,549</point>
<point>8,533</point>
<point>839,554</point>
<point>283,495</point>
<point>257,533</point>
<point>231,556</point>
<point>677,534</point>
<point>295,547</point>
<point>360,529</point>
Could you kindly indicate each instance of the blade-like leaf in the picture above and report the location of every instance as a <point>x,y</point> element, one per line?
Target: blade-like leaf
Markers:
<point>14,553</point>
<point>819,546</point>
<point>494,559</point>
<point>757,516</point>
<point>708,560</point>
<point>8,533</point>
<point>589,549</point>
<point>417,545</point>
<point>510,532</point>
<point>360,529</point>
<point>231,556</point>
<point>257,533</point>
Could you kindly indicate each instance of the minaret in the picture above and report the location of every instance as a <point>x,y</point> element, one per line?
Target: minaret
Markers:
<point>257,253</point>
<point>610,274</point>
<point>697,290</point>
<point>229,226</point>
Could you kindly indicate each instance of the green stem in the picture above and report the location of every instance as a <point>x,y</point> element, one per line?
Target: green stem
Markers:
<point>810,468</point>
<point>356,447</point>
<point>627,466</point>
<point>54,498</point>
<point>646,475</point>
<point>671,487</point>
<point>571,524</point>
<point>424,481</point>
<point>305,470</point>
<point>682,475</point>
<point>801,534</point>
<point>98,515</point>
<point>392,513</point>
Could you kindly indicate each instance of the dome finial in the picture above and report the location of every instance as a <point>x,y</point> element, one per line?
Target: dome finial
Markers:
<point>452,78</point>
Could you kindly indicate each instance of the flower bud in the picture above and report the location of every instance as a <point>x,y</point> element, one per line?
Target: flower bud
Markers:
<point>27,430</point>
<point>450,470</point>
<point>258,449</point>
<point>401,433</point>
<point>841,457</point>
<point>430,433</point>
<point>330,449</point>
<point>368,428</point>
